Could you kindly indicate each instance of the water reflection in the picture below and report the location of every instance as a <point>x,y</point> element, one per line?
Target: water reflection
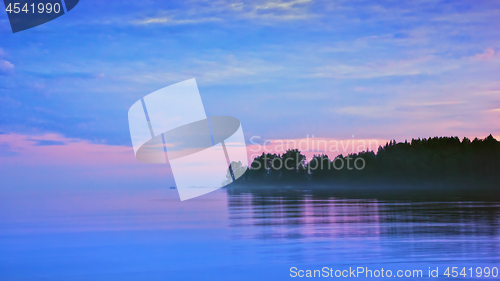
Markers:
<point>319,225</point>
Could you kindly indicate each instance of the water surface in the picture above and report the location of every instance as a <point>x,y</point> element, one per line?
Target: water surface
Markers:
<point>147,234</point>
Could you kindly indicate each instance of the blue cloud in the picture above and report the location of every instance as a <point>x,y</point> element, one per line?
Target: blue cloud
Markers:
<point>47,142</point>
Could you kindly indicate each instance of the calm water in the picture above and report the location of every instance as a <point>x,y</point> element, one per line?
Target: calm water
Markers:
<point>228,235</point>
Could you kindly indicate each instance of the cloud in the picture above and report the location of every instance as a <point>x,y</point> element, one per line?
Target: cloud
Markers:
<point>279,10</point>
<point>364,110</point>
<point>406,67</point>
<point>399,108</point>
<point>486,55</point>
<point>172,21</point>
<point>285,5</point>
<point>214,70</point>
<point>6,67</point>
<point>60,73</point>
<point>47,142</point>
<point>227,11</point>
<point>75,155</point>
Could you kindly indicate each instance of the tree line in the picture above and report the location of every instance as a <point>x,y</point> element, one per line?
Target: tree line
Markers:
<point>431,160</point>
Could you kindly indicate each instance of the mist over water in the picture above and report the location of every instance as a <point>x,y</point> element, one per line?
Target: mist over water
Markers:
<point>236,235</point>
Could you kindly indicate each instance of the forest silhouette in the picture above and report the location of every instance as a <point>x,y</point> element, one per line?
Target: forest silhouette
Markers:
<point>437,161</point>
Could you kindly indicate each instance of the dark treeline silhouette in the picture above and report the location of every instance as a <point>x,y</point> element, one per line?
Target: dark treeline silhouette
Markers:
<point>433,162</point>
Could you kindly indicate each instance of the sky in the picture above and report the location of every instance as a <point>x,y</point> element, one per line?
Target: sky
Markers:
<point>287,69</point>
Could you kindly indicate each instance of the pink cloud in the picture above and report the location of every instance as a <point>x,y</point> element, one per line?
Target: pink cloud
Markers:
<point>58,152</point>
<point>486,55</point>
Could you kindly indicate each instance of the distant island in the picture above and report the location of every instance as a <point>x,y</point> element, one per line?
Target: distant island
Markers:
<point>433,163</point>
